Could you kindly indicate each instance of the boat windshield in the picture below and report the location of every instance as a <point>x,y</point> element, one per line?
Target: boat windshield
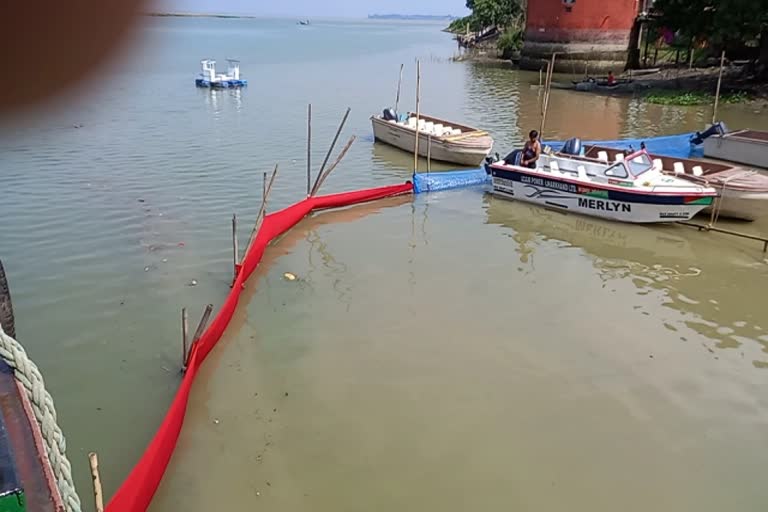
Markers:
<point>639,163</point>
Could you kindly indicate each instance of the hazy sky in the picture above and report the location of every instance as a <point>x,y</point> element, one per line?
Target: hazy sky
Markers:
<point>331,8</point>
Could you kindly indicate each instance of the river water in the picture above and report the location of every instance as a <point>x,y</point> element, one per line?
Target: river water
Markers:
<point>450,351</point>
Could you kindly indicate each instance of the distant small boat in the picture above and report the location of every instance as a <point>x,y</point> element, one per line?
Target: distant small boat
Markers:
<point>743,192</point>
<point>209,78</point>
<point>439,139</point>
<point>303,22</point>
<point>744,146</point>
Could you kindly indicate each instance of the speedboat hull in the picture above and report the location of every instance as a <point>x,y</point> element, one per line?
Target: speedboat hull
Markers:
<point>613,202</point>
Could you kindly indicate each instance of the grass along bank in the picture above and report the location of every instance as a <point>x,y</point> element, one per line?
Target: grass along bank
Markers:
<point>693,98</point>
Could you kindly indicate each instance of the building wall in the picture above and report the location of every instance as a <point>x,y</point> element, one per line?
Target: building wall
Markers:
<point>580,31</point>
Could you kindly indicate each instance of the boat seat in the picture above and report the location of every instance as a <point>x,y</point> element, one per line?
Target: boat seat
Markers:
<point>658,165</point>
<point>602,156</point>
<point>679,168</point>
<point>697,170</point>
<point>619,157</point>
<point>582,172</point>
<point>554,167</point>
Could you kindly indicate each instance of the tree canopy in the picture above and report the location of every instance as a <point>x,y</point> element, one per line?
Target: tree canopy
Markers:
<point>721,22</point>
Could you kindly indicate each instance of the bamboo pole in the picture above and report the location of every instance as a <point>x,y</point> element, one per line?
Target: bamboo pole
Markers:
<point>184,334</point>
<point>309,146</point>
<point>719,82</point>
<point>264,187</point>
<point>546,97</point>
<point>330,169</point>
<point>429,153</point>
<point>203,322</point>
<point>399,83</point>
<point>235,251</point>
<point>262,210</point>
<point>418,114</point>
<point>98,495</point>
<point>543,94</point>
<point>330,150</point>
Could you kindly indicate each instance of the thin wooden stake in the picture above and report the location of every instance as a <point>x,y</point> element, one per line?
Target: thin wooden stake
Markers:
<point>203,322</point>
<point>184,334</point>
<point>235,251</point>
<point>719,82</point>
<point>98,495</point>
<point>429,152</point>
<point>262,210</point>
<point>399,82</point>
<point>418,114</point>
<point>330,150</point>
<point>333,165</point>
<point>546,97</point>
<point>309,147</point>
<point>543,94</point>
<point>264,187</point>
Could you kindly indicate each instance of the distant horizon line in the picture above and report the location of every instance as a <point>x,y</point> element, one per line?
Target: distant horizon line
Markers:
<point>289,16</point>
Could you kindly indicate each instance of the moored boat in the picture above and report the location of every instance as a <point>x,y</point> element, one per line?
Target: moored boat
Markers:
<point>748,147</point>
<point>630,190</point>
<point>743,192</point>
<point>439,139</point>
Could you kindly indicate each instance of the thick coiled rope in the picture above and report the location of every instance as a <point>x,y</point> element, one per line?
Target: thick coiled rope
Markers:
<point>29,376</point>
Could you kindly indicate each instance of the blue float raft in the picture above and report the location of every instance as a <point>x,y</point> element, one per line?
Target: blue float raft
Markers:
<point>229,80</point>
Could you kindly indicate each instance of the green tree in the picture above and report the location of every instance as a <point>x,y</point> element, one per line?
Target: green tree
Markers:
<point>723,23</point>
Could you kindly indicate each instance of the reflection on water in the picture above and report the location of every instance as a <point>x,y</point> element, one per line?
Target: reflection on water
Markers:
<point>693,272</point>
<point>386,367</point>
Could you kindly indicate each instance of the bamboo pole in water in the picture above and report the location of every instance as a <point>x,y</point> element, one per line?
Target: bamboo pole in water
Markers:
<point>309,146</point>
<point>328,171</point>
<point>203,322</point>
<point>262,210</point>
<point>98,494</point>
<point>235,251</point>
<point>546,97</point>
<point>184,331</point>
<point>719,82</point>
<point>399,83</point>
<point>543,94</point>
<point>313,190</point>
<point>418,113</point>
<point>429,153</point>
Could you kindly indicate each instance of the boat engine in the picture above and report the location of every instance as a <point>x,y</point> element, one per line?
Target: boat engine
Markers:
<point>718,128</point>
<point>572,146</point>
<point>389,114</point>
<point>490,160</point>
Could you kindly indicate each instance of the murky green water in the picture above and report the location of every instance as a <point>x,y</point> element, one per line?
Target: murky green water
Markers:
<point>449,352</point>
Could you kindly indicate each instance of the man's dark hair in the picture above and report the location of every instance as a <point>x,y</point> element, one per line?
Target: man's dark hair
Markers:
<point>534,134</point>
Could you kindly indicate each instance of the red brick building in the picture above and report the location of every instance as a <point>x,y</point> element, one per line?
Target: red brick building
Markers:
<point>593,34</point>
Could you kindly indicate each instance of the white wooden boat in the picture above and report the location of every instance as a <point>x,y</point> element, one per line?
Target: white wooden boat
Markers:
<point>438,139</point>
<point>743,192</point>
<point>630,190</point>
<point>744,146</point>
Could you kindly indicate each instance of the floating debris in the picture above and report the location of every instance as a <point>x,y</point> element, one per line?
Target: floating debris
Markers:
<point>215,422</point>
<point>289,276</point>
<point>146,269</point>
<point>192,283</point>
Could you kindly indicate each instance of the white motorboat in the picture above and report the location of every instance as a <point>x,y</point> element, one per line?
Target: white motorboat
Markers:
<point>629,190</point>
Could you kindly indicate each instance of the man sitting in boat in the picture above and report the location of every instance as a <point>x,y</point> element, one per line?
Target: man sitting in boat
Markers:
<point>611,78</point>
<point>531,150</point>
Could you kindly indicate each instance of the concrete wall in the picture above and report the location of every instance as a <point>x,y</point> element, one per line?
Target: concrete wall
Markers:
<point>593,33</point>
